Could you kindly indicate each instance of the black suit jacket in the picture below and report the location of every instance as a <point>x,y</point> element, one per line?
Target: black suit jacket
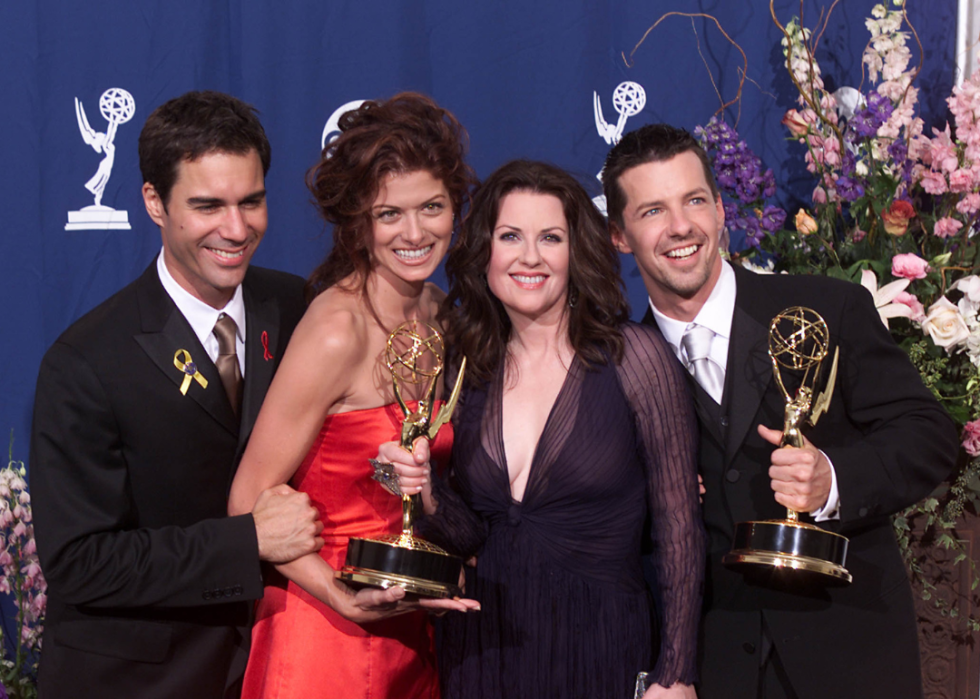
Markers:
<point>148,578</point>
<point>891,444</point>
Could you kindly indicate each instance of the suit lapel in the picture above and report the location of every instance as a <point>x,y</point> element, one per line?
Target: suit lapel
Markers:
<point>262,354</point>
<point>749,367</point>
<point>164,331</point>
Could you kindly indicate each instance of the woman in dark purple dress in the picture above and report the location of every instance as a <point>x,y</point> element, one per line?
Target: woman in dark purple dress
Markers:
<point>575,438</point>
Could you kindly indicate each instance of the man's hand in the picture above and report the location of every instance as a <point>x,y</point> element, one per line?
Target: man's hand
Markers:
<point>286,524</point>
<point>674,691</point>
<point>801,478</point>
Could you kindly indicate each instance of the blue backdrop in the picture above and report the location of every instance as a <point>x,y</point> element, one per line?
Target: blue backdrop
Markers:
<point>519,75</point>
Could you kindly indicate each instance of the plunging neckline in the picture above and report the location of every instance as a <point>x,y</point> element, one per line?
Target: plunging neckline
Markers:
<point>497,394</point>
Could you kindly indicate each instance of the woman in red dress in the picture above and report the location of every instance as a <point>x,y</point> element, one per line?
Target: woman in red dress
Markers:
<point>393,185</point>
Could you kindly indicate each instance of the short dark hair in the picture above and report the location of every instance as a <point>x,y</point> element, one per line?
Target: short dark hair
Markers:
<point>476,324</point>
<point>195,124</point>
<point>649,144</point>
<point>407,133</point>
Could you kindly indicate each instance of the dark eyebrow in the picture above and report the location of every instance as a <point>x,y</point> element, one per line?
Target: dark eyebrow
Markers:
<point>254,197</point>
<point>217,201</point>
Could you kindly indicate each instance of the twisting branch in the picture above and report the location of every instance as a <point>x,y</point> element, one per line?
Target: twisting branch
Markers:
<point>745,61</point>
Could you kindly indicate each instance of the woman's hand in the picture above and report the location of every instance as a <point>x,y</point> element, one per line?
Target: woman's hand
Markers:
<point>412,468</point>
<point>674,691</point>
<point>371,604</point>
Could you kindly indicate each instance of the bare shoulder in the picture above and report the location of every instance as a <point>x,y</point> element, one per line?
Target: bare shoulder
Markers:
<point>333,329</point>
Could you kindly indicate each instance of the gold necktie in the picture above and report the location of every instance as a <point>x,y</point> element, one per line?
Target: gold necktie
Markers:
<point>231,374</point>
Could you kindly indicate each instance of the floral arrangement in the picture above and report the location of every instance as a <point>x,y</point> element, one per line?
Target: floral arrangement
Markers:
<point>894,209</point>
<point>744,184</point>
<point>22,581</point>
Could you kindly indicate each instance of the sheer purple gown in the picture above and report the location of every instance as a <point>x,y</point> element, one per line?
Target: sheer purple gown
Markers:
<point>565,609</point>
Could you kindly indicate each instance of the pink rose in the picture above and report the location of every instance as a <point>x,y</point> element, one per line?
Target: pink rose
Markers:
<point>946,227</point>
<point>858,235</point>
<point>969,204</point>
<point>897,216</point>
<point>796,123</point>
<point>971,437</point>
<point>909,266</point>
<point>819,195</point>
<point>907,299</point>
<point>961,181</point>
<point>933,182</point>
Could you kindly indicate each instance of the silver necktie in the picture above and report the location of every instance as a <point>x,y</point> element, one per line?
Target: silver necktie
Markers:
<point>697,344</point>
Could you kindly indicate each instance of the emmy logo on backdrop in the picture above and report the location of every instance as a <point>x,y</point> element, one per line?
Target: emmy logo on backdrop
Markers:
<point>118,107</point>
<point>629,99</point>
<point>798,343</point>
<point>414,356</point>
<point>332,128</point>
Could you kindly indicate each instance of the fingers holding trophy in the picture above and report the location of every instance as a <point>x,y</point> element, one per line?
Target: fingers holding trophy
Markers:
<point>414,356</point>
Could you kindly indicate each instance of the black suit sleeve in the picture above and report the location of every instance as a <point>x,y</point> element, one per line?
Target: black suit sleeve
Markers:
<point>93,549</point>
<point>909,443</point>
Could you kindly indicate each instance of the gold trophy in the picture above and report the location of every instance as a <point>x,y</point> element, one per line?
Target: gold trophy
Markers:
<point>414,355</point>
<point>798,342</point>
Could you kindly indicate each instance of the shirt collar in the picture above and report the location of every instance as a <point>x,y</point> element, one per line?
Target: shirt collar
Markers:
<point>200,315</point>
<point>716,313</point>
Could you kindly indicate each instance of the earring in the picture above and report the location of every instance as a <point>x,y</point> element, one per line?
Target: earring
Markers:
<point>572,298</point>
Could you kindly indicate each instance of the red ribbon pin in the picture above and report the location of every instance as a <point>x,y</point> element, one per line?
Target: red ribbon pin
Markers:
<point>266,354</point>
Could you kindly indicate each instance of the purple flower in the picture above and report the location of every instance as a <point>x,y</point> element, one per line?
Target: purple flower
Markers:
<point>768,184</point>
<point>898,151</point>
<point>849,188</point>
<point>725,178</point>
<point>772,218</point>
<point>753,231</point>
<point>866,122</point>
<point>748,192</point>
<point>731,211</point>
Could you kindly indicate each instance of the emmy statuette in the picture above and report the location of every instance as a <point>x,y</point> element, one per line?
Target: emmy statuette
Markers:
<point>415,356</point>
<point>798,342</point>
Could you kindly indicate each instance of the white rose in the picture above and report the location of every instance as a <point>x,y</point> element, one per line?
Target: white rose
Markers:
<point>970,286</point>
<point>945,325</point>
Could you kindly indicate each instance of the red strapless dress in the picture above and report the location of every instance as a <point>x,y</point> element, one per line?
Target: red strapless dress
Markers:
<point>301,647</point>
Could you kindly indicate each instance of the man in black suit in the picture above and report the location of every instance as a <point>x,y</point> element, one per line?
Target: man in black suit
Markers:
<point>137,432</point>
<point>884,443</point>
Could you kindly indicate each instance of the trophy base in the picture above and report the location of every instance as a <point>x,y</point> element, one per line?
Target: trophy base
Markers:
<point>418,566</point>
<point>783,544</point>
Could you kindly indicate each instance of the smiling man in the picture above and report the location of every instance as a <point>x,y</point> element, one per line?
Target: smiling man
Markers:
<point>884,443</point>
<point>142,411</point>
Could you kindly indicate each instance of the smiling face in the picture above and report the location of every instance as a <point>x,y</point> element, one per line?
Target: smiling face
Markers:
<point>212,224</point>
<point>413,225</point>
<point>529,256</point>
<point>672,224</point>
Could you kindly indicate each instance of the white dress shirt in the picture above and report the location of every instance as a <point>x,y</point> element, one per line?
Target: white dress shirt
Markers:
<point>202,317</point>
<point>717,314</point>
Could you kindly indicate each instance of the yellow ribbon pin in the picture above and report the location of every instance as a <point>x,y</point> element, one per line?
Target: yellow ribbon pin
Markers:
<point>189,368</point>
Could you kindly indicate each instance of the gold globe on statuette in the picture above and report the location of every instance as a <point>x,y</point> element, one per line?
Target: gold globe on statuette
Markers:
<point>799,341</point>
<point>415,356</point>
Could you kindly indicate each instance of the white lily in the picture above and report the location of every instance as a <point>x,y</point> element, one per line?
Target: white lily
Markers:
<point>884,296</point>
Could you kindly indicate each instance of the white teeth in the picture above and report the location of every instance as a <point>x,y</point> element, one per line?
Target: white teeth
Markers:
<point>413,254</point>
<point>683,252</point>
<point>226,254</point>
<point>529,280</point>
